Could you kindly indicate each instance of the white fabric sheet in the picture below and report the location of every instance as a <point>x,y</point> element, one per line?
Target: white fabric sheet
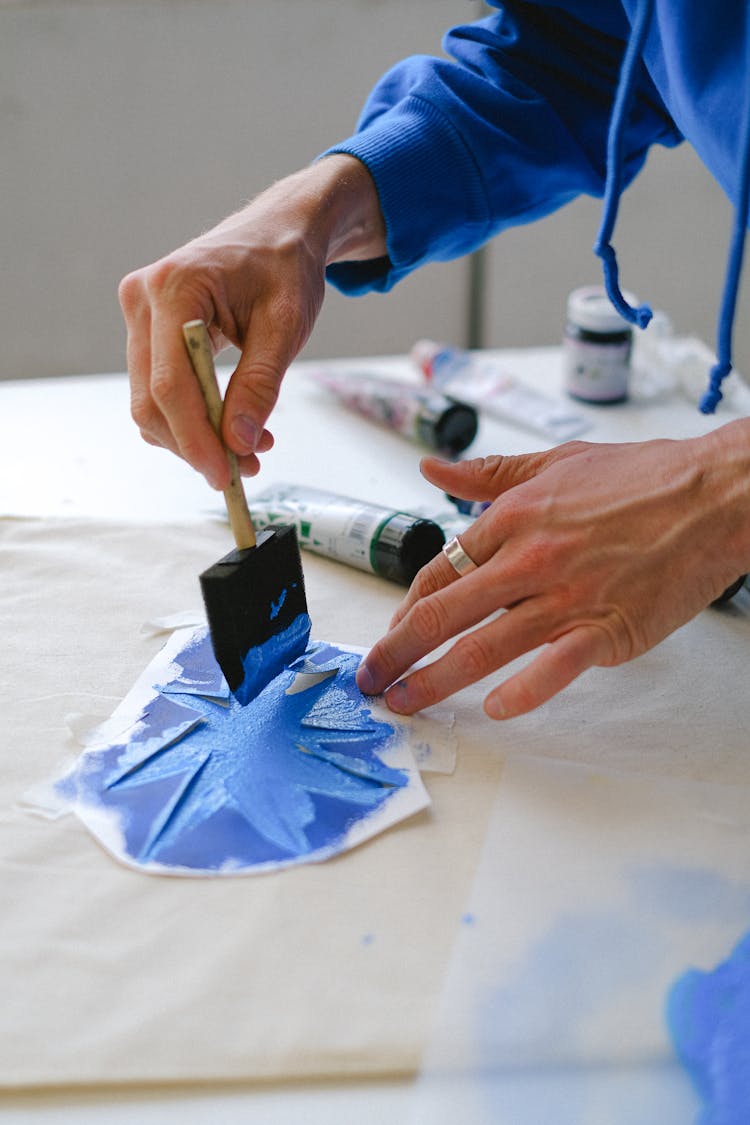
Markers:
<point>110,976</point>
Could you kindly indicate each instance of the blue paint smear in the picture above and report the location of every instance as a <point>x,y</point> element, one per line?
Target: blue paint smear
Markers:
<point>709,1019</point>
<point>566,978</point>
<point>204,784</point>
<point>319,657</point>
<point>264,662</point>
<point>689,894</point>
<point>276,606</point>
<point>197,671</point>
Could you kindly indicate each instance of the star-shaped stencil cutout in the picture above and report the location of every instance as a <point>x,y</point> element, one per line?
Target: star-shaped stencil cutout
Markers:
<point>201,783</point>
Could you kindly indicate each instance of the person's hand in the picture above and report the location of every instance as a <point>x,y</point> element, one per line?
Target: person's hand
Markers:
<point>257,280</point>
<point>595,553</point>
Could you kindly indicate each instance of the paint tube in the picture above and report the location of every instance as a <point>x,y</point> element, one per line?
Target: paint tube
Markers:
<point>426,415</point>
<point>392,544</point>
<point>478,381</point>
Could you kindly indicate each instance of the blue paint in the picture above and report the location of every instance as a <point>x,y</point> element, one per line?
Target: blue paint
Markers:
<point>468,919</point>
<point>264,662</point>
<point>205,784</point>
<point>473,508</point>
<point>565,981</point>
<point>368,939</point>
<point>689,894</point>
<point>197,672</point>
<point>338,709</point>
<point>709,1018</point>
<point>276,606</point>
<point>319,657</point>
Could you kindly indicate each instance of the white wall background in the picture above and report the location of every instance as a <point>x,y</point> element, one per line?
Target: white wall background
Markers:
<point>130,125</point>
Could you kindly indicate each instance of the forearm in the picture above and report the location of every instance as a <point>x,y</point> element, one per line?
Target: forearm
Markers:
<point>330,207</point>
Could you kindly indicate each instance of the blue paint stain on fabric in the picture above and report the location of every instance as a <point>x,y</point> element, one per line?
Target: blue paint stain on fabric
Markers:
<point>708,1014</point>
<point>566,979</point>
<point>264,662</point>
<point>689,894</point>
<point>203,784</point>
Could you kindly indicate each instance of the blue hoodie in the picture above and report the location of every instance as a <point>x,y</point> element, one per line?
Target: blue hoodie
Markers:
<point>543,101</point>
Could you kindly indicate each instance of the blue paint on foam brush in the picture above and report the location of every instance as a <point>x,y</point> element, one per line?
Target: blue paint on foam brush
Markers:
<point>257,611</point>
<point>264,662</point>
<point>276,606</point>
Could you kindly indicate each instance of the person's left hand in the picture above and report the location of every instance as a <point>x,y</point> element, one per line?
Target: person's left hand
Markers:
<point>595,553</point>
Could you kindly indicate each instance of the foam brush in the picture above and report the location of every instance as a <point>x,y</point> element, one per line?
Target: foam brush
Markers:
<point>255,595</point>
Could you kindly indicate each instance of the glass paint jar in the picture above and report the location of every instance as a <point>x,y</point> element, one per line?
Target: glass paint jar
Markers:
<point>597,346</point>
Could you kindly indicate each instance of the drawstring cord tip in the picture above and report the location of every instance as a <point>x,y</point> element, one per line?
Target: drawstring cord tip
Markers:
<point>713,395</point>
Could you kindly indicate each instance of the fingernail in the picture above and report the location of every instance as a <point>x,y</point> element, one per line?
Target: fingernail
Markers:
<point>365,681</point>
<point>397,696</point>
<point>246,432</point>
<point>494,707</point>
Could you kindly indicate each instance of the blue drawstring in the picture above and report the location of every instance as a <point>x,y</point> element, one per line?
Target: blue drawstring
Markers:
<point>613,185</point>
<point>721,369</point>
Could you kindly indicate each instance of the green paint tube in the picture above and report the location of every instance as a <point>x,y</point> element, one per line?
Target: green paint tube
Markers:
<point>391,544</point>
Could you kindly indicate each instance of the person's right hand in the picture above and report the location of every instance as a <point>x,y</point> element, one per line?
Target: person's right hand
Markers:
<point>257,280</point>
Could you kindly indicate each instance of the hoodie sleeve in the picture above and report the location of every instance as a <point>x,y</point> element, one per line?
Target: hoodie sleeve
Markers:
<point>511,126</point>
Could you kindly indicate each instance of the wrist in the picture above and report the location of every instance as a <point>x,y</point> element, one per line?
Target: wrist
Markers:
<point>727,461</point>
<point>330,207</point>
<point>348,216</point>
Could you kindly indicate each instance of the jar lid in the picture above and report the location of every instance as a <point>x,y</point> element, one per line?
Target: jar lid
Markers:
<point>591,308</point>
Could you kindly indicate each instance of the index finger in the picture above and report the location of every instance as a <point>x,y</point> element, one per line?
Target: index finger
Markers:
<point>176,391</point>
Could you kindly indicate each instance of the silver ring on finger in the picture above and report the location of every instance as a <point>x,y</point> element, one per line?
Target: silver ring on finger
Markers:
<point>457,556</point>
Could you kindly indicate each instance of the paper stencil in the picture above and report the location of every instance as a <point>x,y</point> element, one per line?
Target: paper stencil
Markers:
<point>182,779</point>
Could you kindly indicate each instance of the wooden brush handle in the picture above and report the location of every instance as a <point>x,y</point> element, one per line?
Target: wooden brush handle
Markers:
<point>202,360</point>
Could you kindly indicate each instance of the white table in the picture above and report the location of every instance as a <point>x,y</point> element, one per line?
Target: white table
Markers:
<point>69,448</point>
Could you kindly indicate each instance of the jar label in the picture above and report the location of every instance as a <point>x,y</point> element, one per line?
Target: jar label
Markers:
<point>596,372</point>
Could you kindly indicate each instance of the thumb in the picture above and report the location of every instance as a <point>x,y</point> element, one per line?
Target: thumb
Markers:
<point>485,478</point>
